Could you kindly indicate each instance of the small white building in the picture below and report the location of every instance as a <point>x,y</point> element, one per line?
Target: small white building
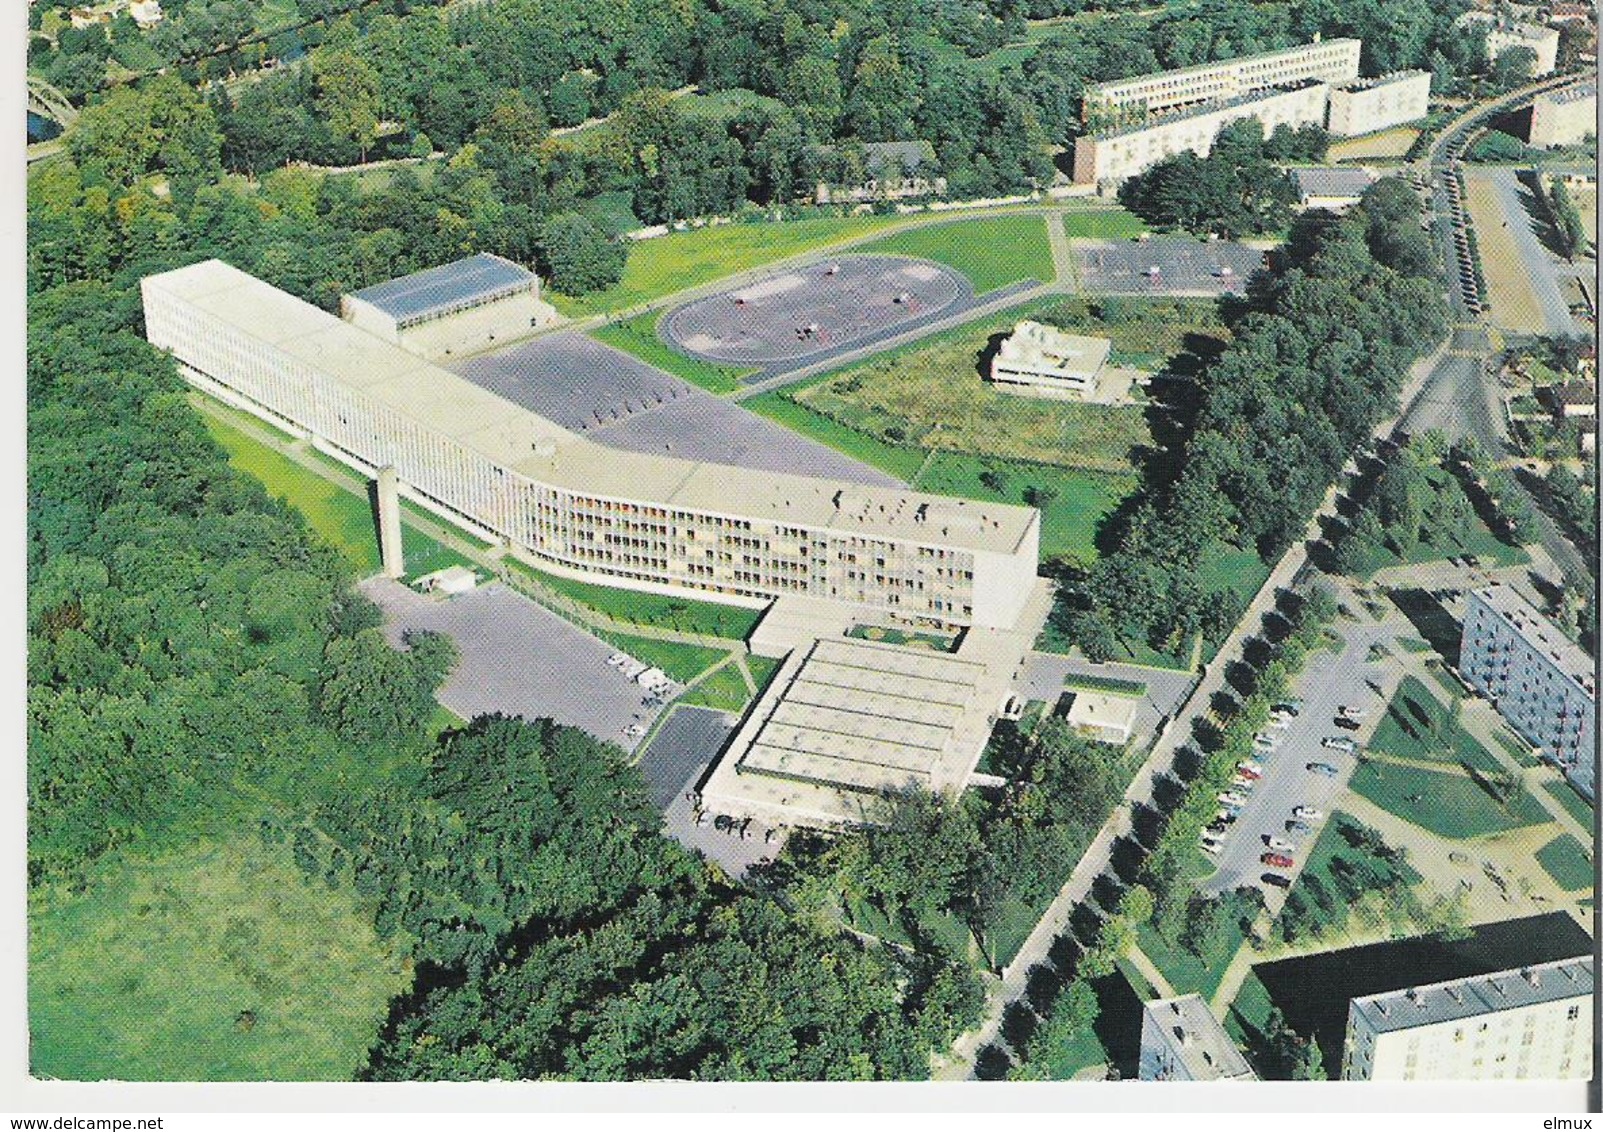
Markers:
<point>1334,188</point>
<point>1181,1040</point>
<point>450,581</point>
<point>455,309</point>
<point>1529,1024</point>
<point>145,13</point>
<point>1105,718</point>
<point>1043,361</point>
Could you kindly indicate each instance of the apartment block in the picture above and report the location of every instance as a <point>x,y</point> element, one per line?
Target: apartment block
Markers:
<point>570,505</point>
<point>1110,157</point>
<point>1505,35</point>
<point>1563,117</point>
<point>1329,61</point>
<point>1540,681</point>
<point>1529,1024</point>
<point>1370,105</point>
<point>1181,1040</point>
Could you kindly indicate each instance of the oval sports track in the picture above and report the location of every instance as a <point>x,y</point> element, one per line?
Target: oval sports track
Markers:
<point>814,309</point>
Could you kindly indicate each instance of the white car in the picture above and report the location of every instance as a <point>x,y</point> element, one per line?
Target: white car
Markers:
<point>1230,798</point>
<point>635,730</point>
<point>1213,847</point>
<point>1352,712</point>
<point>1242,782</point>
<point>1279,844</point>
<point>1280,722</point>
<point>1307,813</point>
<point>1338,743</point>
<point>617,660</point>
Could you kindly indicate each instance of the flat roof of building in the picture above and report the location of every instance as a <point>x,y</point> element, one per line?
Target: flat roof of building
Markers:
<point>1197,1039</point>
<point>1039,345</point>
<point>1388,79</point>
<point>1101,710</point>
<point>1223,64</point>
<point>1457,999</point>
<point>1202,109</point>
<point>1540,633</point>
<point>1331,181</point>
<point>547,453</point>
<point>446,287</point>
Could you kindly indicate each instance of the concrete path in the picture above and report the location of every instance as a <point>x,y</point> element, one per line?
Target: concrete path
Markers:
<point>1149,971</point>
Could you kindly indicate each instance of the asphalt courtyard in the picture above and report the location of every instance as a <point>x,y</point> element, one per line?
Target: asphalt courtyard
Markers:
<point>1165,265</point>
<point>793,315</point>
<point>517,659</point>
<point>617,400</point>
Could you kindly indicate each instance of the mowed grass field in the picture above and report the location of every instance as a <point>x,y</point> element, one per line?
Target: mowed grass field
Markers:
<point>1387,143</point>
<point>221,962</point>
<point>638,336</point>
<point>1450,805</point>
<point>992,251</point>
<point>343,518</point>
<point>688,259</point>
<point>1566,861</point>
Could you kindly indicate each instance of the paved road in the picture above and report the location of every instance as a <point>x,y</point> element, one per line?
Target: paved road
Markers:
<point>1044,674</point>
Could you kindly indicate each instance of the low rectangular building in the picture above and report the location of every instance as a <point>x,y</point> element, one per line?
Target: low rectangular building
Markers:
<point>454,309</point>
<point>1370,105</point>
<point>1540,681</point>
<point>1328,61</point>
<point>575,507</point>
<point>1181,1040</point>
<point>1530,1024</point>
<point>1044,361</point>
<point>1109,157</point>
<point>1334,188</point>
<point>1563,117</point>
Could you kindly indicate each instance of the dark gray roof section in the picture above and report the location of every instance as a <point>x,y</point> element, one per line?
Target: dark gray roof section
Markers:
<point>439,291</point>
<point>1479,995</point>
<point>1331,181</point>
<point>1572,94</point>
<point>912,154</point>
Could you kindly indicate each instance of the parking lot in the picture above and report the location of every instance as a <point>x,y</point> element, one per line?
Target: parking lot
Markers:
<point>518,659</point>
<point>1165,265</point>
<point>808,311</point>
<point>1329,681</point>
<point>619,401</point>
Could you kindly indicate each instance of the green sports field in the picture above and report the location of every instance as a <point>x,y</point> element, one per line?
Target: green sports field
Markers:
<point>992,251</point>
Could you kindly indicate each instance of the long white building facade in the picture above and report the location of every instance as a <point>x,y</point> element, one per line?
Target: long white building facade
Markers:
<point>574,507</point>
<point>1367,105</point>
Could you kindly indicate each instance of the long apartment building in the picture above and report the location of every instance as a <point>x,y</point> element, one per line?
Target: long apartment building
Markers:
<point>1113,155</point>
<point>1540,680</point>
<point>1367,105</point>
<point>574,507</point>
<point>1531,1024</point>
<point>1328,61</point>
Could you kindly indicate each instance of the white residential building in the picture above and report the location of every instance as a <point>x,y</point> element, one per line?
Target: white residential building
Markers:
<point>1329,61</point>
<point>1181,1040</point>
<point>1540,681</point>
<point>1505,35</point>
<point>1044,361</point>
<point>1369,105</point>
<point>1563,117</point>
<point>1109,157</point>
<point>575,507</point>
<point>1531,1024</point>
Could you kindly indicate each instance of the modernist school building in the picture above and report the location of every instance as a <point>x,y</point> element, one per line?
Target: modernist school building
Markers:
<point>575,507</point>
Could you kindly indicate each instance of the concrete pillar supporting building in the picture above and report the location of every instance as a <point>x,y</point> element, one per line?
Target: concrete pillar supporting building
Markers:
<point>389,523</point>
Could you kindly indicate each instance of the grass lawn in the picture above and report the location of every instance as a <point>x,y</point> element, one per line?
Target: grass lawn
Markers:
<point>1108,684</point>
<point>687,615</point>
<point>1518,751</point>
<point>219,962</point>
<point>1186,972</point>
<point>341,517</point>
<point>1434,545</point>
<point>889,635</point>
<point>992,251</point>
<point>1241,571</point>
<point>1566,862</point>
<point>687,259</point>
<point>638,336</point>
<point>724,690</point>
<point>1575,805</point>
<point>1449,805</point>
<point>1072,503</point>
<point>1406,731</point>
<point>903,463</point>
<point>1247,1019</point>
<point>933,395</point>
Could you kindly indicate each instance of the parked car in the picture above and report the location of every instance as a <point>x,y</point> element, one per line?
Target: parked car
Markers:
<point>1352,712</point>
<point>1246,765</point>
<point>1241,782</point>
<point>1338,743</point>
<point>1228,814</point>
<point>1346,724</point>
<point>635,729</point>
<point>1287,707</point>
<point>1278,860</point>
<point>1323,768</point>
<point>1307,812</point>
<point>1279,843</point>
<point>1233,799</point>
<point>1298,827</point>
<point>1211,846</point>
<point>1280,722</point>
<point>1218,827</point>
<point>1265,742</point>
<point>1277,880</point>
<point>1248,773</point>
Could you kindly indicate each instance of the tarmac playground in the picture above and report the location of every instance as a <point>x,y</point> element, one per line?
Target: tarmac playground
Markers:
<point>1166,265</point>
<point>820,308</point>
